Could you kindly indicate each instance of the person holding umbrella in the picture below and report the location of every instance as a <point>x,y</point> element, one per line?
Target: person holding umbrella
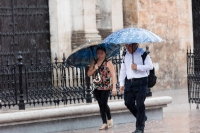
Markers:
<point>134,77</point>
<point>102,70</point>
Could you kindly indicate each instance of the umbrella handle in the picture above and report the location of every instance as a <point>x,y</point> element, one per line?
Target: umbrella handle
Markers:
<point>132,55</point>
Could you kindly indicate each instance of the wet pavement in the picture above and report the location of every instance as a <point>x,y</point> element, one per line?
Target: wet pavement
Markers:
<point>178,117</point>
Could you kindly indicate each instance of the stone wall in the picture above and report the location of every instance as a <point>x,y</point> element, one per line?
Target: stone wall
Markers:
<point>171,20</point>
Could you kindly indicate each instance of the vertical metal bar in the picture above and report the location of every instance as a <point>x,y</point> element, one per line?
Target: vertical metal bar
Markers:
<point>63,71</point>
<point>14,84</point>
<point>83,77</point>
<point>77,83</point>
<point>13,24</point>
<point>88,93</point>
<point>21,97</point>
<point>188,77</point>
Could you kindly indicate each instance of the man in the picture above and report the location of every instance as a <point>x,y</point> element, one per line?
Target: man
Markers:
<point>134,77</point>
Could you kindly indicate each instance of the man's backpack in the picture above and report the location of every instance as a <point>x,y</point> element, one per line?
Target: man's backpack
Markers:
<point>151,77</point>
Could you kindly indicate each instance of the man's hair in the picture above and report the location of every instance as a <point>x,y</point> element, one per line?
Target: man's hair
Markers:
<point>101,48</point>
<point>134,43</point>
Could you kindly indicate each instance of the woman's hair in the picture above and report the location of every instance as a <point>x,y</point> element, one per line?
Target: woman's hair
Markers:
<point>101,48</point>
<point>134,43</point>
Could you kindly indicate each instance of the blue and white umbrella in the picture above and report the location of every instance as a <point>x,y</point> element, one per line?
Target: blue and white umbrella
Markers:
<point>86,53</point>
<point>132,35</point>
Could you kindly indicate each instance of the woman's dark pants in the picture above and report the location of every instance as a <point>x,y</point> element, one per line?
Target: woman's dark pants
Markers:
<point>102,98</point>
<point>134,96</point>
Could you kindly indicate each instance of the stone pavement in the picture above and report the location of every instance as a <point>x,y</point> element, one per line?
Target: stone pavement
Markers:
<point>178,117</point>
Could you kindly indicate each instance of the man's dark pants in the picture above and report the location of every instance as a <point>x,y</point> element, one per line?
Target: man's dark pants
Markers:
<point>134,96</point>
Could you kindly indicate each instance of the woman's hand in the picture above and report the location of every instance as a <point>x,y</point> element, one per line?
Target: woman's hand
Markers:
<point>92,69</point>
<point>114,92</point>
<point>96,66</point>
<point>121,89</point>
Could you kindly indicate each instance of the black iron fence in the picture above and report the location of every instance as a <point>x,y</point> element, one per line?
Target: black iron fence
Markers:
<point>193,75</point>
<point>46,83</point>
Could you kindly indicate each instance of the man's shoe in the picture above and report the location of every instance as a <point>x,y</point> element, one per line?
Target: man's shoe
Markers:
<point>138,131</point>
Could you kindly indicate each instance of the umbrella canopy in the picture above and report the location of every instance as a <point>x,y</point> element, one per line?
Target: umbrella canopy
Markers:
<point>86,53</point>
<point>132,35</point>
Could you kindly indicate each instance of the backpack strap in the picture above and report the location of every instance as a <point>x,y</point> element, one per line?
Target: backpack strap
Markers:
<point>144,55</point>
<point>123,54</point>
<point>95,61</point>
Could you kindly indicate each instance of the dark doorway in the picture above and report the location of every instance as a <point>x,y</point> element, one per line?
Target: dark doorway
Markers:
<point>196,23</point>
<point>24,26</point>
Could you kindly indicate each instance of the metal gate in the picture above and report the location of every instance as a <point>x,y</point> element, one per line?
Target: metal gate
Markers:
<point>193,58</point>
<point>193,76</point>
<point>47,83</point>
<point>24,26</point>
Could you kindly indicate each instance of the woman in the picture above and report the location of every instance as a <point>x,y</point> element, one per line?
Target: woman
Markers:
<point>102,70</point>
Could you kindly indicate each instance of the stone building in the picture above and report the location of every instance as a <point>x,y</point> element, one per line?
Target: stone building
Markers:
<point>73,22</point>
<point>172,21</point>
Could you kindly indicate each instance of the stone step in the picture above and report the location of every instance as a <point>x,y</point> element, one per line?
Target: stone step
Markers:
<point>75,117</point>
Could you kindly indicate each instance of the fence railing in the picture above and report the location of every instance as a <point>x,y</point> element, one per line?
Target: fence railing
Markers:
<point>46,83</point>
<point>193,76</point>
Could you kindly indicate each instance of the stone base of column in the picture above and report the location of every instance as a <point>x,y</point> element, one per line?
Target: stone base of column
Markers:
<point>104,32</point>
<point>78,38</point>
<point>81,37</point>
<point>92,35</point>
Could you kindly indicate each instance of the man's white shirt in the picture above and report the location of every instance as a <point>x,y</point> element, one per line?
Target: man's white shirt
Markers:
<point>142,69</point>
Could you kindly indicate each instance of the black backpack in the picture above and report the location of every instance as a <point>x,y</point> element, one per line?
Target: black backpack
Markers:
<point>152,77</point>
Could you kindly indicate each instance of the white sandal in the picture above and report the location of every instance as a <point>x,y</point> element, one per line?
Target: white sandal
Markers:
<point>103,127</point>
<point>110,124</point>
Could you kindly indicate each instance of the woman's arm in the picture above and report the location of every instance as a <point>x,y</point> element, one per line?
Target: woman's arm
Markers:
<point>112,71</point>
<point>92,69</point>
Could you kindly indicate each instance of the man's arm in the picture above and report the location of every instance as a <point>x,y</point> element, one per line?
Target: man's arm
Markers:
<point>148,65</point>
<point>122,74</point>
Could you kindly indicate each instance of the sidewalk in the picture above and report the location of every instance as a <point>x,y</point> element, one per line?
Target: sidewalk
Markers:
<point>177,118</point>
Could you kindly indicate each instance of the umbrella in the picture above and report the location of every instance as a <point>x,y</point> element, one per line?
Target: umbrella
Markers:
<point>132,35</point>
<point>86,53</point>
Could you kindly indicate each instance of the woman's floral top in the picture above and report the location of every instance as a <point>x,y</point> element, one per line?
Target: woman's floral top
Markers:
<point>101,80</point>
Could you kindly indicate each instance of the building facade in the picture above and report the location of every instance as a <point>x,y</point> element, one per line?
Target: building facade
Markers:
<point>73,22</point>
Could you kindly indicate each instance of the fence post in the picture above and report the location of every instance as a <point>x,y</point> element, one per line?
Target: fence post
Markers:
<point>88,90</point>
<point>148,92</point>
<point>21,96</point>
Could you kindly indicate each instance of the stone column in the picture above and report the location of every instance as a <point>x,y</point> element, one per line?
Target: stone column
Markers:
<point>77,15</point>
<point>90,25</point>
<point>116,15</point>
<point>190,23</point>
<point>105,10</point>
<point>60,28</point>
